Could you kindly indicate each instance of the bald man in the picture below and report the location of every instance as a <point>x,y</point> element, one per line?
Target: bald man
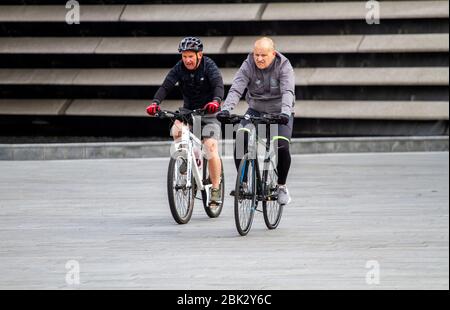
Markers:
<point>269,79</point>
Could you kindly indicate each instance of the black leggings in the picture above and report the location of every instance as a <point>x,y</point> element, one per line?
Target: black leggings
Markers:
<point>281,144</point>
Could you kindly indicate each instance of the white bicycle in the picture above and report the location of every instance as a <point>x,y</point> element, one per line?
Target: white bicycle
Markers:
<point>182,187</point>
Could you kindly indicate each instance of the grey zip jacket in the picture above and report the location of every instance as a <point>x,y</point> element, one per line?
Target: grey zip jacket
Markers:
<point>271,90</point>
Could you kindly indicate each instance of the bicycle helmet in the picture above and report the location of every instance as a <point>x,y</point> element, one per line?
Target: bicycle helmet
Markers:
<point>190,44</point>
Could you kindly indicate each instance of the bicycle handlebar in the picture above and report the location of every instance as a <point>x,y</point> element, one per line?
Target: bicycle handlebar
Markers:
<point>264,119</point>
<point>184,114</point>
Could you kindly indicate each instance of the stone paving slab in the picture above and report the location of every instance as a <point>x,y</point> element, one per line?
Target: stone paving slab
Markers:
<point>112,218</point>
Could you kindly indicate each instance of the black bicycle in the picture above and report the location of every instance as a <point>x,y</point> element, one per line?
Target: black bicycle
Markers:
<point>250,187</point>
<point>182,186</point>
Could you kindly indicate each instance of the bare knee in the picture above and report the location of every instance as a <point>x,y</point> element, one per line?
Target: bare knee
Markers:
<point>177,130</point>
<point>211,148</point>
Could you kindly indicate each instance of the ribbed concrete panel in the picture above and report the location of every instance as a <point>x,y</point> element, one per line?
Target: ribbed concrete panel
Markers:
<point>101,107</point>
<point>124,77</point>
<point>108,107</point>
<point>301,44</point>
<point>348,43</point>
<point>134,77</point>
<point>226,12</point>
<point>304,77</point>
<point>238,45</point>
<point>48,45</point>
<point>394,110</point>
<point>363,76</point>
<point>414,9</point>
<point>355,10</point>
<point>57,13</point>
<point>373,76</point>
<point>191,12</point>
<point>38,76</point>
<point>31,106</point>
<point>155,45</point>
<point>405,43</point>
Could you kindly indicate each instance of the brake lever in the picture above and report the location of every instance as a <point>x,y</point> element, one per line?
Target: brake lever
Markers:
<point>200,112</point>
<point>271,119</point>
<point>160,114</point>
<point>233,119</point>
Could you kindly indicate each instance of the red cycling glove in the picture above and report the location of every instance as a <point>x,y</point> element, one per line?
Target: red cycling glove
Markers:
<point>153,109</point>
<point>212,107</point>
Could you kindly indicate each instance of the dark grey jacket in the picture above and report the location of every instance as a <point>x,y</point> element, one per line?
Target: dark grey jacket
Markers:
<point>271,90</point>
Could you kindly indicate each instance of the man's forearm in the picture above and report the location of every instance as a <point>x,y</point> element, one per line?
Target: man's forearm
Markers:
<point>219,91</point>
<point>232,100</point>
<point>287,102</point>
<point>163,91</point>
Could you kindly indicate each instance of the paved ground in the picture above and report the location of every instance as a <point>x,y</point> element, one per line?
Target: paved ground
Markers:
<point>352,216</point>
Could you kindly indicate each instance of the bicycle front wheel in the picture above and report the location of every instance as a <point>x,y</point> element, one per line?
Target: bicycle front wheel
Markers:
<point>181,197</point>
<point>271,209</point>
<point>206,180</point>
<point>245,196</point>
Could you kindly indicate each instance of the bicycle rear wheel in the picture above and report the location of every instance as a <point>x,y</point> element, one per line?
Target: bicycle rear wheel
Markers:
<point>271,209</point>
<point>181,197</point>
<point>245,196</point>
<point>206,180</point>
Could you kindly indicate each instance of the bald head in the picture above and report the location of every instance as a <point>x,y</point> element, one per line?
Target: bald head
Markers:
<point>265,43</point>
<point>264,52</point>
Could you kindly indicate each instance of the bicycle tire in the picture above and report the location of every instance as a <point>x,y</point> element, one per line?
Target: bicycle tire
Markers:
<point>244,213</point>
<point>271,209</point>
<point>175,196</point>
<point>206,180</point>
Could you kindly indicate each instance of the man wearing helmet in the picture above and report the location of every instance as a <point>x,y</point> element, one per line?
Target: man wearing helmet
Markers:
<point>201,84</point>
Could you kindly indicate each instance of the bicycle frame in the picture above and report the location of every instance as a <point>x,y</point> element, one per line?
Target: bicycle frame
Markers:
<point>185,148</point>
<point>254,141</point>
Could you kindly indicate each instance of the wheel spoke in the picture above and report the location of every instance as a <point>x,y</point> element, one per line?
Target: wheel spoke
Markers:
<point>272,210</point>
<point>182,194</point>
<point>245,198</point>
